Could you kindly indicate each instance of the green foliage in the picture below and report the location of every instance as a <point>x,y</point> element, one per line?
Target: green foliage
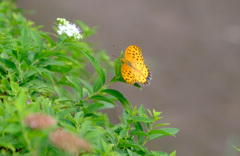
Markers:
<point>41,75</point>
<point>236,148</point>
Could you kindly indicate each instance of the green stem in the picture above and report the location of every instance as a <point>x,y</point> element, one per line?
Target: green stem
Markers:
<point>27,140</point>
<point>19,65</point>
<point>102,88</point>
<point>145,141</point>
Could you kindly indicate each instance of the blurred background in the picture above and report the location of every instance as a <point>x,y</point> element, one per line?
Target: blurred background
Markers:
<point>192,48</point>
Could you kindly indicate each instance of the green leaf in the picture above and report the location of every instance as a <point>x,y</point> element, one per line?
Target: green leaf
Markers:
<point>120,97</point>
<point>159,153</point>
<point>102,98</point>
<point>138,132</point>
<point>97,84</point>
<point>96,65</point>
<point>141,119</point>
<point>85,127</point>
<point>236,148</point>
<point>173,153</point>
<point>171,131</point>
<point>12,128</point>
<point>24,37</point>
<point>21,102</point>
<point>63,56</point>
<point>45,54</point>
<point>127,143</point>
<point>49,40</point>
<point>14,86</point>
<point>9,64</point>
<point>137,85</point>
<point>163,124</point>
<point>112,137</point>
<point>7,145</point>
<point>76,84</point>
<point>48,61</point>
<point>164,131</point>
<point>39,85</point>
<point>156,114</point>
<point>118,66</point>
<point>60,91</point>
<point>139,128</point>
<point>87,86</point>
<point>131,153</point>
<point>142,111</point>
<point>123,133</point>
<point>60,69</point>
<point>62,99</point>
<point>93,107</point>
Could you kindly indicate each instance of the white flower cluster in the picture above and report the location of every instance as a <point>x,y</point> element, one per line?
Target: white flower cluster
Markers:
<point>65,27</point>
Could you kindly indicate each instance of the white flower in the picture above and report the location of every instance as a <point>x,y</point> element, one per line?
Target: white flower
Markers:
<point>68,28</point>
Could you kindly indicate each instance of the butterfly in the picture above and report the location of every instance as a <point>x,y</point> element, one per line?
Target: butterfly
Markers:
<point>134,70</point>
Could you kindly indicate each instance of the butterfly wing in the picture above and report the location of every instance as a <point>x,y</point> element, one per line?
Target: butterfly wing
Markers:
<point>133,54</point>
<point>132,75</point>
<point>128,74</point>
<point>135,60</point>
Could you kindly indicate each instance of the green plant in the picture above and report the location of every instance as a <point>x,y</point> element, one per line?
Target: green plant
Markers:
<point>236,148</point>
<point>45,85</point>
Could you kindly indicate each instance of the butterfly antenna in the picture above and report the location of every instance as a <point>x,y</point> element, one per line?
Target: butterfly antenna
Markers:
<point>115,56</point>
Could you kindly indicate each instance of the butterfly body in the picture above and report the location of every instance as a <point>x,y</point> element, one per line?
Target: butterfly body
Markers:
<point>134,70</point>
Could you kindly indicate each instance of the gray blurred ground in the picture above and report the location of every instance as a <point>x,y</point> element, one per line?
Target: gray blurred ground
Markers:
<point>193,51</point>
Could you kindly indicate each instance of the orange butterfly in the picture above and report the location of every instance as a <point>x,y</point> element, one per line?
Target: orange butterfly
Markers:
<point>134,70</point>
